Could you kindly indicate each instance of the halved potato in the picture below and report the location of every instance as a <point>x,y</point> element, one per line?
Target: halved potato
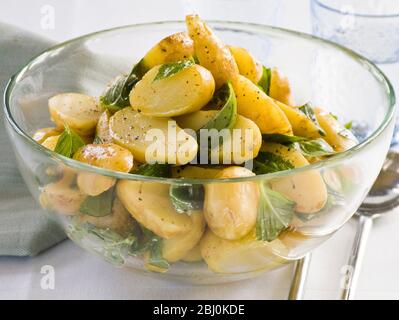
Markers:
<point>230,209</point>
<point>307,189</point>
<point>94,184</point>
<point>244,142</point>
<point>254,104</point>
<point>42,134</point>
<point>80,112</point>
<point>248,66</point>
<point>186,91</point>
<point>337,135</point>
<point>174,249</point>
<point>149,203</point>
<point>61,196</point>
<point>50,142</point>
<point>211,52</point>
<point>178,46</point>
<point>280,87</point>
<point>137,133</point>
<point>194,255</point>
<point>102,128</point>
<point>108,156</point>
<point>301,125</point>
<point>243,255</point>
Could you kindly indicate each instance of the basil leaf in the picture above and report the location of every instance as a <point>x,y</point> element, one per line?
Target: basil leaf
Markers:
<point>267,162</point>
<point>155,170</point>
<point>169,69</point>
<point>348,125</point>
<point>185,198</point>
<point>152,244</point>
<point>98,206</point>
<point>275,213</point>
<point>316,148</point>
<point>225,100</point>
<point>282,138</point>
<point>266,79</point>
<point>111,245</point>
<point>308,111</point>
<point>116,96</point>
<point>68,143</point>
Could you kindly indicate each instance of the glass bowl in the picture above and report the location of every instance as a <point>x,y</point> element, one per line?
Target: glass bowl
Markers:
<point>330,76</point>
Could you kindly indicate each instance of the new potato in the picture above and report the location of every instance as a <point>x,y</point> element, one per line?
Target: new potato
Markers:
<point>211,52</point>
<point>248,66</point>
<point>186,91</point>
<point>79,111</point>
<point>139,134</point>
<point>307,189</point>
<point>230,209</point>
<point>254,104</point>
<point>149,203</point>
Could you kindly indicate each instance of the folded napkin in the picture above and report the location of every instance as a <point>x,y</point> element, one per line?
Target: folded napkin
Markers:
<point>24,229</point>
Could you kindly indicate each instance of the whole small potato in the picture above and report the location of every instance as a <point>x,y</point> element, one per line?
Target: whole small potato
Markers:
<point>108,156</point>
<point>194,255</point>
<point>80,112</point>
<point>178,46</point>
<point>211,52</point>
<point>186,91</point>
<point>42,134</point>
<point>230,209</point>
<point>50,142</point>
<point>280,87</point>
<point>337,135</point>
<point>248,66</point>
<point>256,105</point>
<point>243,255</point>
<point>149,203</point>
<point>94,184</point>
<point>174,249</point>
<point>307,189</point>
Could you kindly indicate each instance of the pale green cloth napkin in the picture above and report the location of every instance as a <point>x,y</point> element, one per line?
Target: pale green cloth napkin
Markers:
<point>24,229</point>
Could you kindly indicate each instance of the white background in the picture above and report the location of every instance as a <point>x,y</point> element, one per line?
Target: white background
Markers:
<point>79,274</point>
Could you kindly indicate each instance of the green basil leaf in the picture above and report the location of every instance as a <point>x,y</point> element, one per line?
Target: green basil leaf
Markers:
<point>151,243</point>
<point>308,111</point>
<point>349,125</point>
<point>116,97</point>
<point>68,143</point>
<point>155,170</point>
<point>316,148</point>
<point>275,213</point>
<point>111,245</point>
<point>98,206</point>
<point>267,162</point>
<point>185,198</point>
<point>169,69</point>
<point>265,80</point>
<point>282,138</point>
<point>225,100</point>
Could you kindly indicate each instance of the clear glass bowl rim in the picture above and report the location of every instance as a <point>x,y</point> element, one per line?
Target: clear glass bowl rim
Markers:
<point>325,6</point>
<point>376,72</point>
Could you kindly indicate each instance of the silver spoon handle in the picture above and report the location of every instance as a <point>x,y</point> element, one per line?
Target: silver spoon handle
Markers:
<point>298,283</point>
<point>364,227</point>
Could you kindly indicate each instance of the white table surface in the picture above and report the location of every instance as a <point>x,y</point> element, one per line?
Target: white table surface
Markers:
<point>81,275</point>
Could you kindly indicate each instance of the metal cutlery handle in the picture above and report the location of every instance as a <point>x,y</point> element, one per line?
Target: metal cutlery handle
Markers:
<point>298,283</point>
<point>364,227</point>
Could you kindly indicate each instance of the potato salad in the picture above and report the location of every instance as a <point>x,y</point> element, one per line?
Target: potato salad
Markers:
<point>194,110</point>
